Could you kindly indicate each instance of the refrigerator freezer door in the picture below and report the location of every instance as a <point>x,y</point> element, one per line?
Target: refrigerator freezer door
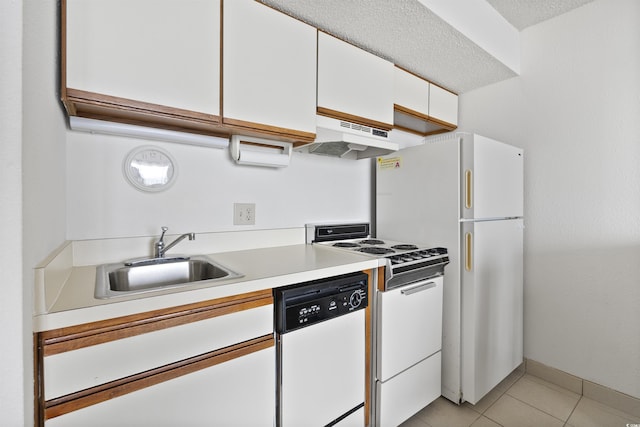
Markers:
<point>417,194</point>
<point>491,179</point>
<point>492,308</point>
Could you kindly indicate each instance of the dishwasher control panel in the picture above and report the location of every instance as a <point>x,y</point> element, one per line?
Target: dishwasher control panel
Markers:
<point>312,302</point>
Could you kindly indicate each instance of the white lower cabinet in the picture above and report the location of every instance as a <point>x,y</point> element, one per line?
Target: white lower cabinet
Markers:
<point>239,392</point>
<point>91,366</point>
<point>207,363</point>
<point>407,393</point>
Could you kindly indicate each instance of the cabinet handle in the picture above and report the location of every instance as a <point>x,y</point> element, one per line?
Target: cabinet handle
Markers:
<point>468,249</point>
<point>468,189</point>
<point>419,288</point>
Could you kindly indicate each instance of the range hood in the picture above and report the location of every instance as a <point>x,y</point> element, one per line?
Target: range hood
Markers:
<point>340,138</point>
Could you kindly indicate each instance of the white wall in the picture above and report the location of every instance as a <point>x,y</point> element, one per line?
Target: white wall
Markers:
<point>12,383</point>
<point>43,174</point>
<point>575,110</point>
<point>102,204</point>
<point>32,184</point>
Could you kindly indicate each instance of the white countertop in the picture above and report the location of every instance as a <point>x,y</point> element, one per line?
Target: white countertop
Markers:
<point>263,268</point>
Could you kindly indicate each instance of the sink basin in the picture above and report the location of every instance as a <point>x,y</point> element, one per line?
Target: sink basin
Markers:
<point>124,279</point>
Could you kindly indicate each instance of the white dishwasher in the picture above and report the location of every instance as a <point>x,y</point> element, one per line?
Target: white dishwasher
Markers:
<point>320,347</point>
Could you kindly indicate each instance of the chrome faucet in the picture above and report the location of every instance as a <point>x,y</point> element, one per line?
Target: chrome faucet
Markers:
<point>160,249</point>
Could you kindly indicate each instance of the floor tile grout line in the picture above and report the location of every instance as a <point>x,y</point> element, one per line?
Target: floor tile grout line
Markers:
<point>501,394</point>
<point>566,423</point>
<point>487,408</point>
<point>540,381</point>
<point>506,390</point>
<point>543,411</point>
<point>492,420</point>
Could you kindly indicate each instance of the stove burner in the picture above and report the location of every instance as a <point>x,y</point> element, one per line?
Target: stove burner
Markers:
<point>372,242</point>
<point>376,250</point>
<point>346,245</point>
<point>405,247</point>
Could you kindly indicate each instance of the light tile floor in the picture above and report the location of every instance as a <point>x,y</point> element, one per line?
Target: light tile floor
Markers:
<point>522,400</point>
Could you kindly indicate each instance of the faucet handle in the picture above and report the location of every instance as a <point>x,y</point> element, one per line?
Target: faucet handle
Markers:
<point>164,230</point>
<point>158,247</point>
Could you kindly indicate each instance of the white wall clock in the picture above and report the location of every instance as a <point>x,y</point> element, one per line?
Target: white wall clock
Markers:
<point>150,169</point>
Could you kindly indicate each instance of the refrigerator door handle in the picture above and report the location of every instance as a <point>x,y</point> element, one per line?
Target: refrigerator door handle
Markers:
<point>468,189</point>
<point>468,251</point>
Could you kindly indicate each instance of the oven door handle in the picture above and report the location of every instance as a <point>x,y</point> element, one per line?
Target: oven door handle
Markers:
<point>418,288</point>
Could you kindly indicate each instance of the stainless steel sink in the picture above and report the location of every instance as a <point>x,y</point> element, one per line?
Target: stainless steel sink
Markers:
<point>130,278</point>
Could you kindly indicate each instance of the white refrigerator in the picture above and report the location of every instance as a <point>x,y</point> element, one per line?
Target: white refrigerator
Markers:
<point>464,192</point>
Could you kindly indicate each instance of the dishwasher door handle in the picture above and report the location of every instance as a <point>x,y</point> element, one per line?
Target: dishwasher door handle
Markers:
<point>418,288</point>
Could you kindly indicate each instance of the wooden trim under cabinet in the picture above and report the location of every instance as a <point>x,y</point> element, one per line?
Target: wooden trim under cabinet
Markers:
<point>112,108</point>
<point>327,112</point>
<point>297,137</point>
<point>430,125</point>
<point>410,112</point>
<point>92,396</point>
<point>88,334</point>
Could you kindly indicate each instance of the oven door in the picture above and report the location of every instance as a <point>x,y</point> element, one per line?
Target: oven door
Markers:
<point>409,326</point>
<point>409,340</point>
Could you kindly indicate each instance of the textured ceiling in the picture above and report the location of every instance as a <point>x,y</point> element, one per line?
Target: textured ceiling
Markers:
<point>525,13</point>
<point>411,36</point>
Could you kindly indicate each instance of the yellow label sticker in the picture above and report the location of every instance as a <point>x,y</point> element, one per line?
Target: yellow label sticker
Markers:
<point>390,163</point>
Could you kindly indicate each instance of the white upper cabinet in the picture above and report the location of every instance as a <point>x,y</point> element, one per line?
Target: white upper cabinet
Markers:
<point>411,102</point>
<point>410,92</point>
<point>353,84</point>
<point>422,107</point>
<point>443,105</point>
<point>269,70</point>
<point>163,52</point>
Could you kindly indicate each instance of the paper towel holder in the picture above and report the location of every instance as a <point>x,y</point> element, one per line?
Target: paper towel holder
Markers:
<point>248,150</point>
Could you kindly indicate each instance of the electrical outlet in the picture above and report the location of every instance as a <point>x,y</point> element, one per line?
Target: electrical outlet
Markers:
<point>244,214</point>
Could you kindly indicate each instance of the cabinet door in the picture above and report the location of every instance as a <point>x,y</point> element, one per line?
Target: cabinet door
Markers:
<point>354,84</point>
<point>70,371</point>
<point>164,52</point>
<point>410,92</point>
<point>410,102</point>
<point>443,105</point>
<point>239,392</point>
<point>269,70</point>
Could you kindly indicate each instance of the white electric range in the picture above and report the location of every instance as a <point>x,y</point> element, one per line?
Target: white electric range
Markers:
<point>407,319</point>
